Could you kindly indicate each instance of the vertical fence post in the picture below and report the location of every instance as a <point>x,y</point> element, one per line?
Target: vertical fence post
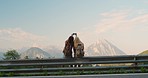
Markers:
<point>135,58</point>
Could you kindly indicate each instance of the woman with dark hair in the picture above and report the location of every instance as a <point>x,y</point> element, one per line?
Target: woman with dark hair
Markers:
<point>69,44</point>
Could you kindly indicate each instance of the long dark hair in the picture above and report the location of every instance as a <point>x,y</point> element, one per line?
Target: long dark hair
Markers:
<point>71,40</point>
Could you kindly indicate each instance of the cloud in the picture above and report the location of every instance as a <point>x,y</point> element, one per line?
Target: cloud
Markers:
<point>121,21</point>
<point>118,21</point>
<point>16,38</point>
<point>145,2</point>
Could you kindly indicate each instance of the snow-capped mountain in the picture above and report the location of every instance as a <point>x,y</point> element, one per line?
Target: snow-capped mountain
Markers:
<point>34,53</point>
<point>103,48</point>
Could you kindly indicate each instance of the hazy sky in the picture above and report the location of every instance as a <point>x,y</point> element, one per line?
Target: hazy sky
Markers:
<point>26,23</point>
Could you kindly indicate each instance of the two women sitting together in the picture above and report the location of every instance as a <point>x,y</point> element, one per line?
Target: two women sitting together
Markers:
<point>73,44</point>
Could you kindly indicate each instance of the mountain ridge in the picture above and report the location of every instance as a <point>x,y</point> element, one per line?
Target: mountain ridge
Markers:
<point>102,47</point>
<point>35,52</point>
<point>144,53</point>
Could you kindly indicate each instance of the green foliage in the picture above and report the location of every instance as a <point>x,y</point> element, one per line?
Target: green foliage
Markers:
<point>45,73</point>
<point>1,74</point>
<point>78,72</point>
<point>111,71</point>
<point>10,74</point>
<point>61,72</point>
<point>133,70</point>
<point>123,71</point>
<point>143,70</point>
<point>26,57</point>
<point>11,54</point>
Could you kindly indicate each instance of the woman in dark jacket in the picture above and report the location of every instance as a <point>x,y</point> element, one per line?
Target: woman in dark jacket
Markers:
<point>69,44</point>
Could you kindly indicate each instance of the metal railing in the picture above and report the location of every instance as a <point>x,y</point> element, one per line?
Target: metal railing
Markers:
<point>63,66</point>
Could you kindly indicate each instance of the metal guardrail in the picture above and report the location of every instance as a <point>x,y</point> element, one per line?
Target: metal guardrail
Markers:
<point>60,66</point>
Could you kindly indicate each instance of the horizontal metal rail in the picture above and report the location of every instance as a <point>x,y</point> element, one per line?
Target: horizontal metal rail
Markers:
<point>129,57</point>
<point>73,63</point>
<point>129,62</point>
<point>71,69</point>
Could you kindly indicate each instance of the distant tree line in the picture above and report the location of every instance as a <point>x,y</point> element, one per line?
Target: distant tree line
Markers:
<point>13,54</point>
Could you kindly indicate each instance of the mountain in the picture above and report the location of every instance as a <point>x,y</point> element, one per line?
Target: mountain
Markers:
<point>23,49</point>
<point>35,52</point>
<point>2,51</point>
<point>54,51</point>
<point>1,55</point>
<point>103,48</point>
<point>144,53</point>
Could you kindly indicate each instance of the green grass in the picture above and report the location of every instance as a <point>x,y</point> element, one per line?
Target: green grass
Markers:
<point>75,72</point>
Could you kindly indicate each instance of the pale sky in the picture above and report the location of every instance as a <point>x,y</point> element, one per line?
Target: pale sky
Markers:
<point>26,23</point>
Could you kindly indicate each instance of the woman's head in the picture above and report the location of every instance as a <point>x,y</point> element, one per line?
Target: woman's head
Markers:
<point>70,39</point>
